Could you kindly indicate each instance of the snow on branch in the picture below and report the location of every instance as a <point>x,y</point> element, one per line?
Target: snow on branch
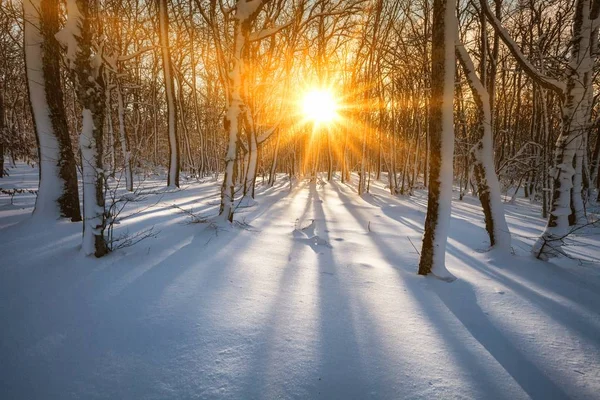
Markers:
<point>517,155</point>
<point>469,69</point>
<point>72,29</point>
<point>265,135</point>
<point>545,81</point>
<point>245,9</point>
<point>265,33</point>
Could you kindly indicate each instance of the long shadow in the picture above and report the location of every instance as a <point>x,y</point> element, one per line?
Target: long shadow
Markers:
<point>315,376</point>
<point>380,371</point>
<point>338,342</point>
<point>269,382</point>
<point>394,211</point>
<point>525,373</point>
<point>92,328</point>
<point>150,215</point>
<point>512,211</point>
<point>555,310</point>
<point>558,280</point>
<point>88,323</point>
<point>482,378</point>
<point>461,222</point>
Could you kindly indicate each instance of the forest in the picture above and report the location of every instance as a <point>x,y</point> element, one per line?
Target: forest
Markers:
<point>300,198</point>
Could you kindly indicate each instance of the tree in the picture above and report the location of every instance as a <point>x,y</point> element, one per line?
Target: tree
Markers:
<point>58,195</point>
<point>87,67</point>
<point>567,203</point>
<point>483,159</point>
<point>2,129</point>
<point>163,17</point>
<point>441,130</point>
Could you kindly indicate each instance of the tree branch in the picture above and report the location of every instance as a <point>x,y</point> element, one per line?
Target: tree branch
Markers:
<point>545,81</point>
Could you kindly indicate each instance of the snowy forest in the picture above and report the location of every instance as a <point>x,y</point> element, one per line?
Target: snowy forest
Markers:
<point>313,199</point>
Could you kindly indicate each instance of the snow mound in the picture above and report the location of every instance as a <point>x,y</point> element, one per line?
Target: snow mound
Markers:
<point>308,235</point>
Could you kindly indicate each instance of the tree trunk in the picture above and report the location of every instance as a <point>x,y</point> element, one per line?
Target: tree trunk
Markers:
<point>58,195</point>
<point>163,17</point>
<point>123,139</point>
<point>78,35</point>
<point>330,157</point>
<point>2,132</point>
<point>252,164</point>
<point>273,173</point>
<point>566,196</point>
<point>483,159</point>
<point>441,130</point>
<point>244,14</point>
<point>110,146</point>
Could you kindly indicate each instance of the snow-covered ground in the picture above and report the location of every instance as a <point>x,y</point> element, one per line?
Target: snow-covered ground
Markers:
<point>314,295</point>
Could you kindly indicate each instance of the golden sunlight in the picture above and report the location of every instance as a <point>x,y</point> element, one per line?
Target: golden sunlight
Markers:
<point>319,106</point>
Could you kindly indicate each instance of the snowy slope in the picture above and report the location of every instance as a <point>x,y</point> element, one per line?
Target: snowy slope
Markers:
<point>317,297</point>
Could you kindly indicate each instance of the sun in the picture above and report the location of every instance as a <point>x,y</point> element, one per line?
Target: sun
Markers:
<point>319,106</point>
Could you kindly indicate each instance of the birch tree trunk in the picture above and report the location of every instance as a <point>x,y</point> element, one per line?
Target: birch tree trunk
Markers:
<point>245,12</point>
<point>441,131</point>
<point>58,195</point>
<point>567,196</point>
<point>483,163</point>
<point>252,161</point>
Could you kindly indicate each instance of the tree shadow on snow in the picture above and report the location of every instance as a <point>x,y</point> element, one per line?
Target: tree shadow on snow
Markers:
<point>106,313</point>
<point>459,297</point>
<point>481,378</point>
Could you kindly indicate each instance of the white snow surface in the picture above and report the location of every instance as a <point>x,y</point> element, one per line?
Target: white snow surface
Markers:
<point>313,294</point>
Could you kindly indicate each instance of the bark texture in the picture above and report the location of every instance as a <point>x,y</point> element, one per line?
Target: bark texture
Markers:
<point>488,186</point>
<point>441,132</point>
<point>56,158</point>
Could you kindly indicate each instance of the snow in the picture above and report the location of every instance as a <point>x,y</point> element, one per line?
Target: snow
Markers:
<point>485,152</point>
<point>244,9</point>
<point>52,186</point>
<point>92,212</point>
<point>569,147</point>
<point>71,30</point>
<point>533,72</point>
<point>447,151</point>
<point>314,294</point>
